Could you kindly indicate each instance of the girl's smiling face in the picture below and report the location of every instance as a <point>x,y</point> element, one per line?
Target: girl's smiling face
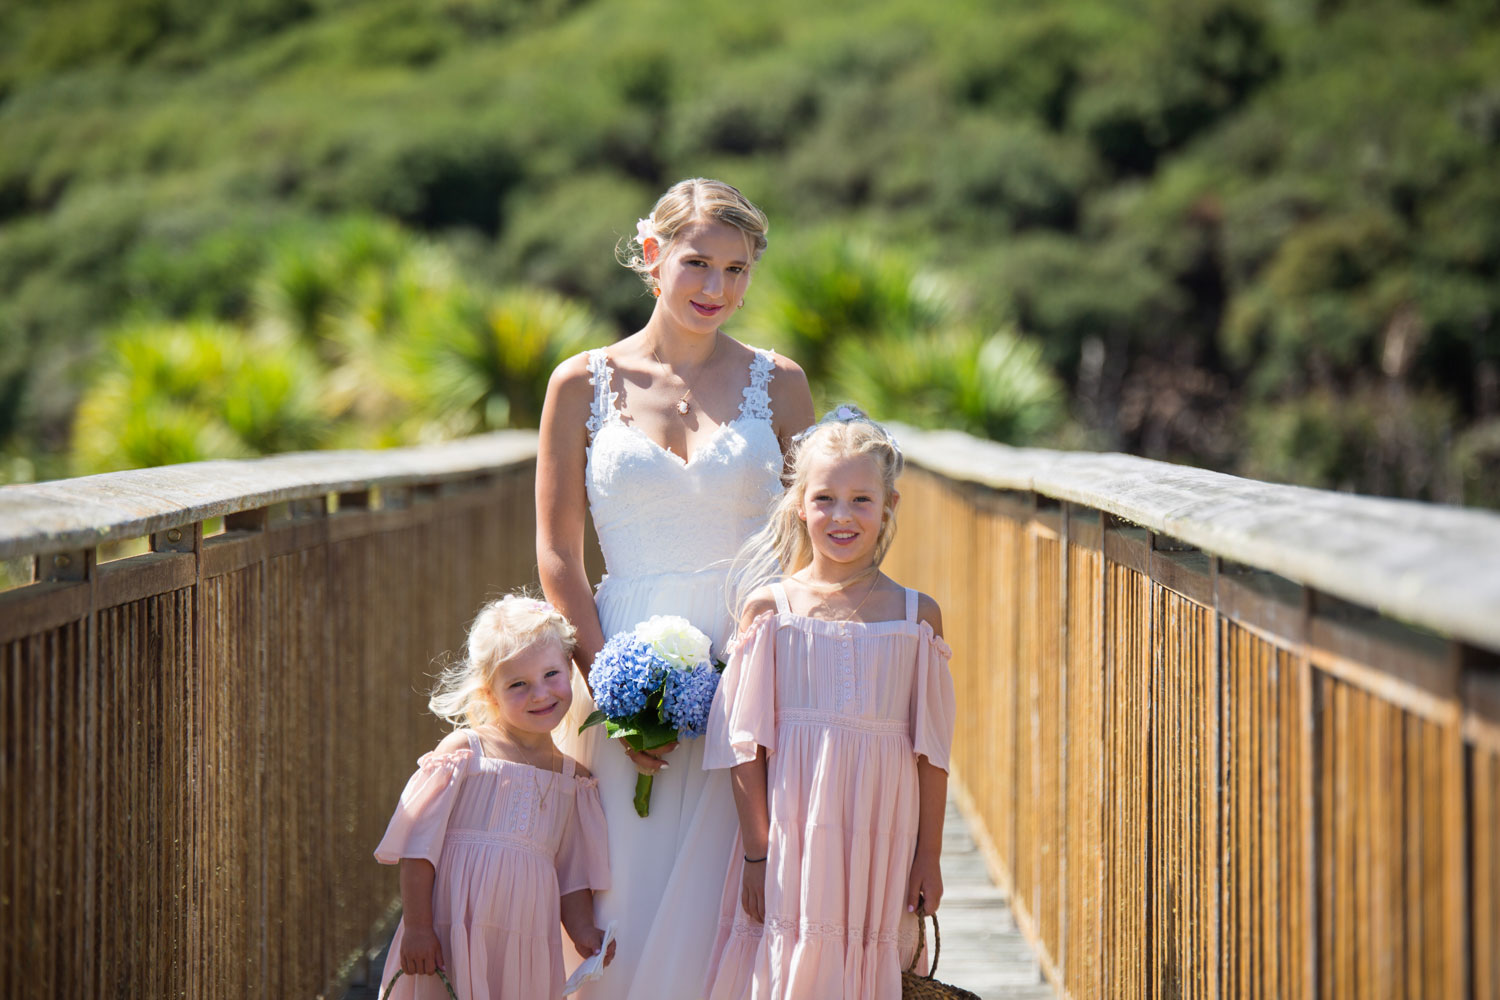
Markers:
<point>844,507</point>
<point>533,688</point>
<point>704,275</point>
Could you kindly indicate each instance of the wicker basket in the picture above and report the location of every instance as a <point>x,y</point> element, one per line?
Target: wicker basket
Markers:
<point>915,987</point>
<point>449,986</point>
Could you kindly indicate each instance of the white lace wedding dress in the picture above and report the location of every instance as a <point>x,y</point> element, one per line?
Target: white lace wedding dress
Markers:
<point>668,529</point>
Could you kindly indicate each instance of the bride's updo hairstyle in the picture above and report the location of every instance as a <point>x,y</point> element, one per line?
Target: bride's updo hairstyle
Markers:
<point>783,546</point>
<point>464,694</point>
<point>686,202</point>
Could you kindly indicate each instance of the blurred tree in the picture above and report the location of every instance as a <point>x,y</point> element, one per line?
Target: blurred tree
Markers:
<point>993,385</point>
<point>184,393</point>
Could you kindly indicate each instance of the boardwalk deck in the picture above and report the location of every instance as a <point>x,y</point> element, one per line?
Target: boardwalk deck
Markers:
<point>982,949</point>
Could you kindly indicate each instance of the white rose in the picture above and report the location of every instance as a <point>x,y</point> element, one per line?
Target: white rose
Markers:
<point>675,640</point>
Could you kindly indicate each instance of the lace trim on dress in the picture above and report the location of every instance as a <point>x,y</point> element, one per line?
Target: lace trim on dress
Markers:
<point>817,717</point>
<point>740,639</point>
<point>489,839</point>
<point>601,377</point>
<point>743,926</point>
<point>757,402</point>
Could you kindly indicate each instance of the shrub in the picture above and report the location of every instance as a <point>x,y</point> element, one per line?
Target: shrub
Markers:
<point>185,393</point>
<point>993,385</point>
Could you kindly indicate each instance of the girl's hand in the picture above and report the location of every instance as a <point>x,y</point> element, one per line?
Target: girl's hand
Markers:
<point>586,940</point>
<point>421,954</point>
<point>753,890</point>
<point>925,884</point>
<point>648,761</point>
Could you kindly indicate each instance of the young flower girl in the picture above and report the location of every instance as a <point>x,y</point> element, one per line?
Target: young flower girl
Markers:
<point>499,836</point>
<point>836,715</point>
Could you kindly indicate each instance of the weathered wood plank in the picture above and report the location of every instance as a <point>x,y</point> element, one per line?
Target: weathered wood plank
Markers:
<point>1434,566</point>
<point>83,513</point>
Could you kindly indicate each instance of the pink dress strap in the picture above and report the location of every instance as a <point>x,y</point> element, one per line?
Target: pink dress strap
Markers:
<point>911,605</point>
<point>474,744</point>
<point>782,604</point>
<point>569,766</point>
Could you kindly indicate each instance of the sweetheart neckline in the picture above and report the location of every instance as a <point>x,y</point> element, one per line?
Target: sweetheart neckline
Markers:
<point>685,463</point>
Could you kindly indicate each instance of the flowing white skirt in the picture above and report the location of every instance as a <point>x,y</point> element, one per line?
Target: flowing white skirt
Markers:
<point>667,869</point>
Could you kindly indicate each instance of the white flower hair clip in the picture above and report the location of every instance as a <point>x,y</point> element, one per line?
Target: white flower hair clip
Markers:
<point>846,413</point>
<point>644,231</point>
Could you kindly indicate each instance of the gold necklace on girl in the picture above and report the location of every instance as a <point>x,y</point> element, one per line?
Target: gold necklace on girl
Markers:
<point>845,586</point>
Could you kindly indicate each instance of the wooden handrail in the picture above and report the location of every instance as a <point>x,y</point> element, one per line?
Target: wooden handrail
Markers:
<point>71,514</point>
<point>1425,564</point>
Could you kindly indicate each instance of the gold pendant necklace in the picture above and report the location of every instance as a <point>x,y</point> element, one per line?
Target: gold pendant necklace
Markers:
<point>681,406</point>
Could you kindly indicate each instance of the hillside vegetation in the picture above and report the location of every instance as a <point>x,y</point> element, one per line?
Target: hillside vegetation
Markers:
<point>1262,237</point>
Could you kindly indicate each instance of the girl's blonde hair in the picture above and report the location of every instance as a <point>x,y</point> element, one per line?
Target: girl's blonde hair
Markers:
<point>783,546</point>
<point>686,202</point>
<point>464,694</point>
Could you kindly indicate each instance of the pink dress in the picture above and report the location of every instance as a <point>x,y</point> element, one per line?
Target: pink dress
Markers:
<point>508,840</point>
<point>843,709</point>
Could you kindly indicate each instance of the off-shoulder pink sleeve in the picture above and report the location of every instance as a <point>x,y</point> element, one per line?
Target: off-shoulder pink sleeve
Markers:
<point>421,818</point>
<point>583,855</point>
<point>933,706</point>
<point>743,715</point>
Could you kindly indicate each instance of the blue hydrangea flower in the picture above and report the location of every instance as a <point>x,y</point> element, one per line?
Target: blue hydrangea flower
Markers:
<point>687,696</point>
<point>624,674</point>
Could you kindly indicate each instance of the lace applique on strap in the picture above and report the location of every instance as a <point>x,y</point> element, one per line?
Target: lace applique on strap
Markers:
<point>757,402</point>
<point>601,377</point>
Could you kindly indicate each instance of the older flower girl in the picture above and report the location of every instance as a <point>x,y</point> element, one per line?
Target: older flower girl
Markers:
<point>836,715</point>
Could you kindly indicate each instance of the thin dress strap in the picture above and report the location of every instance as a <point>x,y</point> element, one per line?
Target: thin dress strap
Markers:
<point>757,397</point>
<point>781,602</point>
<point>601,377</point>
<point>911,605</point>
<point>569,765</point>
<point>474,742</point>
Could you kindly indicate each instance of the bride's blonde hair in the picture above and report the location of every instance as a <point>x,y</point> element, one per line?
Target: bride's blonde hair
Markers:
<point>783,546</point>
<point>686,202</point>
<point>465,693</point>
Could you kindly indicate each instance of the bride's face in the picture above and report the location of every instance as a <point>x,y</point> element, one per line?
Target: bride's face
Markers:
<point>704,275</point>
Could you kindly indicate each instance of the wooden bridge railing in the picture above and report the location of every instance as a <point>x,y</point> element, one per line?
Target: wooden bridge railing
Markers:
<point>1224,738</point>
<point>1206,758</point>
<point>201,743</point>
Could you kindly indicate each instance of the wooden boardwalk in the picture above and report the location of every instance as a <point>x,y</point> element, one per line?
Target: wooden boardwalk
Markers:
<point>982,949</point>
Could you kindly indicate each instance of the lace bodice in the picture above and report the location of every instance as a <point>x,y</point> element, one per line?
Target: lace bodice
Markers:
<point>657,514</point>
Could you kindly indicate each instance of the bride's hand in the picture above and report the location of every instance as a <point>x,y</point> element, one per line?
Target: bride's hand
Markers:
<point>649,761</point>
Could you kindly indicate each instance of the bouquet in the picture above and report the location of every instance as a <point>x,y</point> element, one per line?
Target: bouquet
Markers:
<point>653,685</point>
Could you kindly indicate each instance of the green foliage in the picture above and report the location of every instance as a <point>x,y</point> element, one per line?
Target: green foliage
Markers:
<point>993,385</point>
<point>830,289</point>
<point>1377,439</point>
<point>496,369</point>
<point>1207,215</point>
<point>193,392</point>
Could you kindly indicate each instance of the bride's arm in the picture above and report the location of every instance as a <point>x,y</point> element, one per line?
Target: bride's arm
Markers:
<point>562,504</point>
<point>791,401</point>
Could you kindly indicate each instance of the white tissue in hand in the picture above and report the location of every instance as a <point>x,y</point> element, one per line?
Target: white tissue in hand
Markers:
<point>592,968</point>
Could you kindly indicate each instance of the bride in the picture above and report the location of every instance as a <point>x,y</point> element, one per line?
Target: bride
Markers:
<point>673,439</point>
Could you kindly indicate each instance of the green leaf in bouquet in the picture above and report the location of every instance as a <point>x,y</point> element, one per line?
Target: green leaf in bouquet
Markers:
<point>595,717</point>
